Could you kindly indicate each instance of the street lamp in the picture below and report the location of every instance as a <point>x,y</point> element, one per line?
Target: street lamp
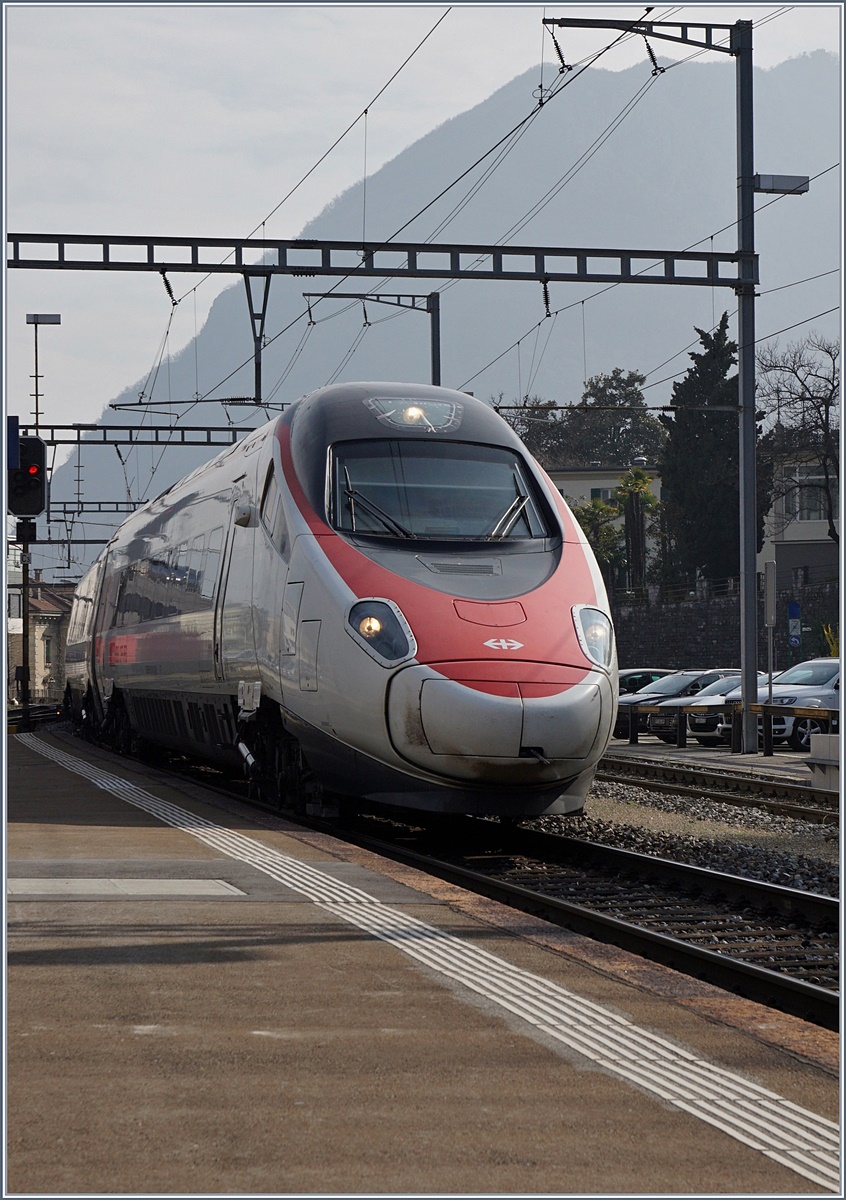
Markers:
<point>36,319</point>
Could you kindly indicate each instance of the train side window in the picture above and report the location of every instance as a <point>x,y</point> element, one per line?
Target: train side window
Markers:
<point>178,571</point>
<point>211,564</point>
<point>273,513</point>
<point>128,606</point>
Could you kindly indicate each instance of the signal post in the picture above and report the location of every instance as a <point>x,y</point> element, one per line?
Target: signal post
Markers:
<point>27,497</point>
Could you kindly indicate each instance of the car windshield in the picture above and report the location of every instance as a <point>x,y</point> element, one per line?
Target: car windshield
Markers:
<point>719,687</point>
<point>810,674</point>
<point>668,686</point>
<point>424,489</point>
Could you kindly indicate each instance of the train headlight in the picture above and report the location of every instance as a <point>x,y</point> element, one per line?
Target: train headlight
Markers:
<point>381,629</point>
<point>595,634</point>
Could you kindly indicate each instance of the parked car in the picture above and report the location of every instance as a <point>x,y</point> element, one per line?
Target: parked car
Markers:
<point>702,726</point>
<point>634,678</point>
<point>679,683</point>
<point>811,684</point>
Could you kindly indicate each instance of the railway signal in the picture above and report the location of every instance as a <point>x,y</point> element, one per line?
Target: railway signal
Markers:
<point>28,480</point>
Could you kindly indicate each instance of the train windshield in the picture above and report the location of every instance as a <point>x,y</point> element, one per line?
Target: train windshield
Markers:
<point>416,489</point>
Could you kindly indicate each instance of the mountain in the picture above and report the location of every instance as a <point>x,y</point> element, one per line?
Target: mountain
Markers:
<point>647,162</point>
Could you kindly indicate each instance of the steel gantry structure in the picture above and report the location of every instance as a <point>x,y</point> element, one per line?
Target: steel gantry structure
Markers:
<point>258,259</point>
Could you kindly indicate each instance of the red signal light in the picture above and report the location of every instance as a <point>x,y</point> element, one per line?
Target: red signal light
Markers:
<point>33,469</point>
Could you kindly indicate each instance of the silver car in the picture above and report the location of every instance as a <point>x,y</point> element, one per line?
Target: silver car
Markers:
<point>811,684</point>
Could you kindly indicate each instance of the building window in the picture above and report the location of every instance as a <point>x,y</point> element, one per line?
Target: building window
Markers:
<point>48,651</point>
<point>804,492</point>
<point>606,494</point>
<point>14,608</point>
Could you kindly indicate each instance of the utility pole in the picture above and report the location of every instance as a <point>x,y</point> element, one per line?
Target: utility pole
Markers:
<point>739,38</point>
<point>741,47</point>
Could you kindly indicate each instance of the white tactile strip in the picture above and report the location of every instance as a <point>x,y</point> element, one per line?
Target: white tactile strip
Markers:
<point>784,1132</point>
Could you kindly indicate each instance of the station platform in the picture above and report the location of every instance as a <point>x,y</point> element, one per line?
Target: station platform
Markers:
<point>204,999</point>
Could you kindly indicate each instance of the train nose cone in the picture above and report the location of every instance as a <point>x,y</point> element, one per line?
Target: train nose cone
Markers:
<point>499,729</point>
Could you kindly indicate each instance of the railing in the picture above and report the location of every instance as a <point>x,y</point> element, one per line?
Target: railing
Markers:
<point>683,591</point>
<point>734,712</point>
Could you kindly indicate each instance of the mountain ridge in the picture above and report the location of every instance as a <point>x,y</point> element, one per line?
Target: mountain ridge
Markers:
<point>665,176</point>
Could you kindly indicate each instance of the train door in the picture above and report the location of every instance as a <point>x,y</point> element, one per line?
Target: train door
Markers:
<point>105,604</point>
<point>270,571</point>
<point>220,594</point>
<point>234,642</point>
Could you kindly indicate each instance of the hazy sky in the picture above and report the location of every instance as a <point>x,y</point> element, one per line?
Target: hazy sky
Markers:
<point>196,120</point>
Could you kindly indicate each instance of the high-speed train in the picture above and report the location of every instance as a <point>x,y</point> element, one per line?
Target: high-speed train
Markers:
<point>379,593</point>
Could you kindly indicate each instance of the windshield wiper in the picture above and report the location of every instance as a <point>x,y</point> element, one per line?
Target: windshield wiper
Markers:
<point>511,515</point>
<point>356,497</point>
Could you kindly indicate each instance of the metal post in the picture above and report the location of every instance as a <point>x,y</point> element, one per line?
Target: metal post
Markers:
<point>770,619</point>
<point>741,45</point>
<point>258,316</point>
<point>433,307</point>
<point>25,697</point>
<point>36,319</point>
<point>36,414</point>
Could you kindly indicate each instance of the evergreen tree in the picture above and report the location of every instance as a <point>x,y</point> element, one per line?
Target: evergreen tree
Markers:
<point>699,464</point>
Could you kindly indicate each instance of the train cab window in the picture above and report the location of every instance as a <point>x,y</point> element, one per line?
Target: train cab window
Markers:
<point>273,513</point>
<point>417,489</point>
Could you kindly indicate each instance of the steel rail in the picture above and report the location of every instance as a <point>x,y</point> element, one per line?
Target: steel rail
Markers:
<point>803,812</point>
<point>728,785</point>
<point>776,989</point>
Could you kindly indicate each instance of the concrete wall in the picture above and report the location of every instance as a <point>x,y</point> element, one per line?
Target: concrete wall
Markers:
<point>706,633</point>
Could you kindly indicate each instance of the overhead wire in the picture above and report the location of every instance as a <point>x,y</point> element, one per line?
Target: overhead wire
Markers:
<point>263,222</point>
<point>383,244</point>
<point>612,286</point>
<point>609,130</point>
<point>319,161</point>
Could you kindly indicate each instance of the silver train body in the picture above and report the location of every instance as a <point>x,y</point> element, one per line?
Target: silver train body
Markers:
<point>379,593</point>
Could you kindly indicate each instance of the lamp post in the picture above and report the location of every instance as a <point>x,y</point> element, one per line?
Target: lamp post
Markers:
<point>36,319</point>
<point>27,528</point>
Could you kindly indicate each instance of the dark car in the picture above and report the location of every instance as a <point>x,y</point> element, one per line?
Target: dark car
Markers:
<point>634,678</point>
<point>679,683</point>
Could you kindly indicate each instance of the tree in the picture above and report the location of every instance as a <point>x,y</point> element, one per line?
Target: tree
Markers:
<point>799,392</point>
<point>613,425</point>
<point>637,500</point>
<point>699,466</point>
<point>598,521</point>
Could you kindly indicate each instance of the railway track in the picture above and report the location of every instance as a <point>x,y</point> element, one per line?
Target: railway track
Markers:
<point>776,945</point>
<point>777,796</point>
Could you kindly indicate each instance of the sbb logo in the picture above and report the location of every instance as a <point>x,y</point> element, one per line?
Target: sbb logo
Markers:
<point>504,644</point>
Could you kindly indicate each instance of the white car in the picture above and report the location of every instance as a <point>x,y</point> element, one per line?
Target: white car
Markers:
<point>811,684</point>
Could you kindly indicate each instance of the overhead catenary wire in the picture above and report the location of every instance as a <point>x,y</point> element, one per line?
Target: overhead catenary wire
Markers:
<point>387,241</point>
<point>315,165</point>
<point>612,286</point>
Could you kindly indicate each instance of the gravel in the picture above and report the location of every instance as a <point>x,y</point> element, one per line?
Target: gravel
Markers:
<point>706,833</point>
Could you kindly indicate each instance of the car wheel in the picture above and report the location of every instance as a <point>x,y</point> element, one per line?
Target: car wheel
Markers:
<point>803,727</point>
